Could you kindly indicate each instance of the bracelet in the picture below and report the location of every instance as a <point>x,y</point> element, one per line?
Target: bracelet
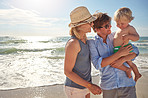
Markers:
<point>89,85</point>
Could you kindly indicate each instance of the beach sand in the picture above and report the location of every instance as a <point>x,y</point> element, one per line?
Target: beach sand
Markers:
<point>57,91</point>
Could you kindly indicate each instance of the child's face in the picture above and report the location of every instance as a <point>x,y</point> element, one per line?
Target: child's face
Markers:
<point>122,24</point>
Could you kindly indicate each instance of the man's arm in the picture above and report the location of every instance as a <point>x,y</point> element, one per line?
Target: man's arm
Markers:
<point>121,53</point>
<point>123,59</point>
<point>129,57</point>
<point>99,61</point>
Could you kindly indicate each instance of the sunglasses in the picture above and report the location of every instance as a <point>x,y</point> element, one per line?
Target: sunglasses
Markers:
<point>106,26</point>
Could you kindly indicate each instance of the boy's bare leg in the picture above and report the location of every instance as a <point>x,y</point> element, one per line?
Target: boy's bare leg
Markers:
<point>87,96</point>
<point>135,70</point>
<point>126,69</point>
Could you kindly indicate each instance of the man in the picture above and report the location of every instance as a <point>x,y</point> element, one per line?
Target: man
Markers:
<point>114,82</point>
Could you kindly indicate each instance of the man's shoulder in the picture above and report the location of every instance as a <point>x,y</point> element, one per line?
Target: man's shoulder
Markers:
<point>111,35</point>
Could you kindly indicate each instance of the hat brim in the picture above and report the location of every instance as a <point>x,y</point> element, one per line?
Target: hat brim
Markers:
<point>91,19</point>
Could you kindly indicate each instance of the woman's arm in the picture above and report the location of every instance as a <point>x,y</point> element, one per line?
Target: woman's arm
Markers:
<point>71,50</point>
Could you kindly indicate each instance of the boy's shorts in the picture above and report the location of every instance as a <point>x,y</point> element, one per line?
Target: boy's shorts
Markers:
<point>118,47</point>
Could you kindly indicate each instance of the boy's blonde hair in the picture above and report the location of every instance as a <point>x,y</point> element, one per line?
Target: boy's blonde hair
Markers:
<point>123,14</point>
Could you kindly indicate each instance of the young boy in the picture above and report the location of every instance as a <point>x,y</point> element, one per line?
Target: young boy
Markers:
<point>126,32</point>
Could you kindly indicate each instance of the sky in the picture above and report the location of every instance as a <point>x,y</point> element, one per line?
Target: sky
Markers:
<point>51,17</point>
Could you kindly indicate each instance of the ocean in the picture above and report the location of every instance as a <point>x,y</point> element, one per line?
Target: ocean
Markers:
<point>30,61</point>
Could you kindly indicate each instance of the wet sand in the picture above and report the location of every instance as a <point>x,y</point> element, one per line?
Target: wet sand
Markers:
<point>57,91</point>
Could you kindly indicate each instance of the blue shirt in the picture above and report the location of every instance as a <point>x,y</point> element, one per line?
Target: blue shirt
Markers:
<point>110,77</point>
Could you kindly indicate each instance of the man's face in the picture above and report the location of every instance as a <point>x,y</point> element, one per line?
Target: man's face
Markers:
<point>106,28</point>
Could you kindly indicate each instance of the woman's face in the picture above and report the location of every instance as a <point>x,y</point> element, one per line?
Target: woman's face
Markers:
<point>85,28</point>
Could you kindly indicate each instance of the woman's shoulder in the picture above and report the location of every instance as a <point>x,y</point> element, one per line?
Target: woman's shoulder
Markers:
<point>72,41</point>
<point>72,44</point>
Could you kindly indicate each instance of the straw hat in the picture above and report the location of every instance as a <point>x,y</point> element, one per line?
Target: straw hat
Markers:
<point>79,16</point>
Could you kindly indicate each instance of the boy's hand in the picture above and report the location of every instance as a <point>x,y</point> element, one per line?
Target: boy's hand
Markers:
<point>125,37</point>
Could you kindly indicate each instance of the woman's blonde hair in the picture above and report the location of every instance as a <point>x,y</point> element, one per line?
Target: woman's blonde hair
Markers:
<point>75,32</point>
<point>123,14</point>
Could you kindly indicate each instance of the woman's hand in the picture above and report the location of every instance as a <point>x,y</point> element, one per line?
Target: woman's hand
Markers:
<point>94,89</point>
<point>123,51</point>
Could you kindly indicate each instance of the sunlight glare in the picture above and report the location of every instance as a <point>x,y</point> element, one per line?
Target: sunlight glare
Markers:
<point>41,4</point>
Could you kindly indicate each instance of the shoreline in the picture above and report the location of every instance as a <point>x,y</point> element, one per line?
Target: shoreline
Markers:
<point>57,90</point>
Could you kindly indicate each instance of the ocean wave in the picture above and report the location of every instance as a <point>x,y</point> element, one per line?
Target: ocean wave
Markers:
<point>143,41</point>
<point>55,57</point>
<point>50,41</point>
<point>5,37</point>
<point>44,41</point>
<point>58,51</point>
<point>13,42</point>
<point>54,51</point>
<point>141,44</point>
<point>8,51</point>
<point>56,40</point>
<point>14,50</point>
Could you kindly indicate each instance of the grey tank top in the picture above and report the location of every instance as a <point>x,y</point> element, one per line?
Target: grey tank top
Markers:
<point>82,65</point>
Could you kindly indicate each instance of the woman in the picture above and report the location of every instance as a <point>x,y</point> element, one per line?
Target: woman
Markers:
<point>77,65</point>
<point>114,82</point>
